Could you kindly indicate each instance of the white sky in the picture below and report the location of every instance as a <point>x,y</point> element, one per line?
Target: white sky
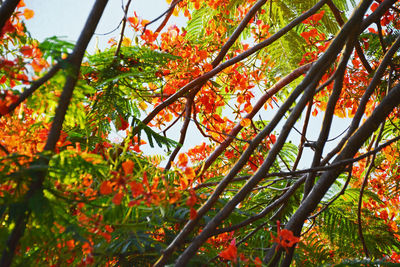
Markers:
<point>67,17</point>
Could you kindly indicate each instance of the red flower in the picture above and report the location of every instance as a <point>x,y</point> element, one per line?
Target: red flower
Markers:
<point>106,188</point>
<point>285,238</point>
<point>192,199</point>
<point>122,124</point>
<point>118,198</point>
<point>193,213</point>
<point>230,253</point>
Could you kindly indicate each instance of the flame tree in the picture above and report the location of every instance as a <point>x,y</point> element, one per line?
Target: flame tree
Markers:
<point>246,76</point>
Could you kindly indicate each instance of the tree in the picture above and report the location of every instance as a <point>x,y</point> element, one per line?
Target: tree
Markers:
<point>70,196</point>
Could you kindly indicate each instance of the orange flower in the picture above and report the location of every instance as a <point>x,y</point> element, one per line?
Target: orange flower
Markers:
<point>193,213</point>
<point>230,253</point>
<point>118,198</point>
<point>136,188</point>
<point>28,13</point>
<point>288,239</point>
<point>182,160</point>
<point>245,122</point>
<point>192,199</point>
<point>285,238</point>
<point>26,51</point>
<point>3,107</point>
<point>257,262</point>
<point>189,173</point>
<point>122,124</point>
<point>106,188</point>
<point>127,166</point>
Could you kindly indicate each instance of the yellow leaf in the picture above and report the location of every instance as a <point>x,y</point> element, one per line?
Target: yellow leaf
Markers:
<point>144,22</point>
<point>143,105</point>
<point>126,41</point>
<point>168,117</point>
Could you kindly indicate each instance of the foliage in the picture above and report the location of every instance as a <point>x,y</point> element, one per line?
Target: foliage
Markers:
<point>82,186</point>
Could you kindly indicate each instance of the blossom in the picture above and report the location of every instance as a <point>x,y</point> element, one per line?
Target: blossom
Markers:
<point>285,238</point>
<point>230,253</point>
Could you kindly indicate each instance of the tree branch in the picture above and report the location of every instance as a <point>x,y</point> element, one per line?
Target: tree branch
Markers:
<point>283,198</point>
<point>214,197</point>
<point>169,12</point>
<point>336,12</point>
<point>183,132</point>
<point>364,99</point>
<point>34,86</point>
<point>380,113</point>
<point>330,109</point>
<point>6,11</point>
<point>75,60</point>
<point>121,37</point>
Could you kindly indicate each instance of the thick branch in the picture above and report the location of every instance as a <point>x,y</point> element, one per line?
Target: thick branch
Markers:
<point>364,99</point>
<point>184,128</point>
<point>303,136</point>
<point>235,35</point>
<point>377,14</point>
<point>330,109</point>
<point>214,197</point>
<point>121,36</point>
<point>75,60</point>
<point>6,10</point>
<point>336,12</point>
<point>169,14</point>
<point>380,113</point>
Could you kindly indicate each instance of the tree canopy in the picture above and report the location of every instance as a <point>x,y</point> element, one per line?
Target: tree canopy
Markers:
<point>244,102</point>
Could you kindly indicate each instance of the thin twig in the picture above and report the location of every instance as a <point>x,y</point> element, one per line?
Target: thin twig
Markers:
<point>34,86</point>
<point>183,132</point>
<point>121,38</point>
<point>284,197</point>
<point>169,10</point>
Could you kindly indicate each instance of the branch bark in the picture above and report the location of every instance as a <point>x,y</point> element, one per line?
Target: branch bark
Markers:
<point>380,113</point>
<point>6,11</point>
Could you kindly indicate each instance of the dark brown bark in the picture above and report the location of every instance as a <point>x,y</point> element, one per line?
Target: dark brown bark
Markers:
<point>6,10</point>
